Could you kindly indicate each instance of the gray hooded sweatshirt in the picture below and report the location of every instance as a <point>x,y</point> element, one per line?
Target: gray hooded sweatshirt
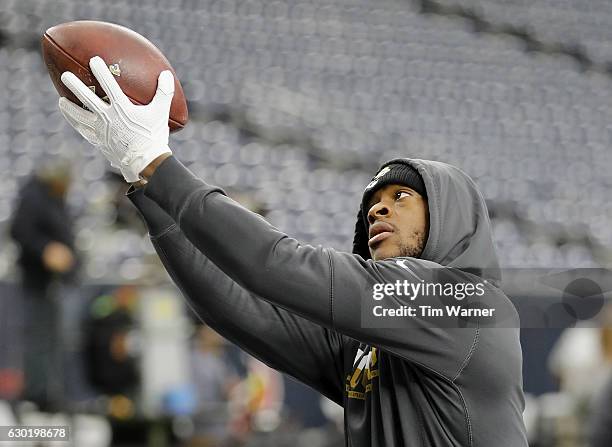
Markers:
<point>298,309</point>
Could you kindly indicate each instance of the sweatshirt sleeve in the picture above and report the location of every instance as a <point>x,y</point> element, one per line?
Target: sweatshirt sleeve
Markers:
<point>284,341</point>
<point>322,285</point>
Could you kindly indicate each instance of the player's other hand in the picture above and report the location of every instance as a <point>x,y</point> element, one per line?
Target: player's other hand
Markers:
<point>130,136</point>
<point>57,257</point>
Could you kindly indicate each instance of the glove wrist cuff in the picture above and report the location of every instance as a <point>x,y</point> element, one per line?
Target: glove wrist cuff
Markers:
<point>143,160</point>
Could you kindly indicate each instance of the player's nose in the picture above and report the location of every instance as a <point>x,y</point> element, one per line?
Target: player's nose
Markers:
<point>377,211</point>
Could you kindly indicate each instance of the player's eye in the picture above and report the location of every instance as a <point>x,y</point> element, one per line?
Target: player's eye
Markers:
<point>401,194</point>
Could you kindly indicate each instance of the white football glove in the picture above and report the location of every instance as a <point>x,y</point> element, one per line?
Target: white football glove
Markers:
<point>130,136</point>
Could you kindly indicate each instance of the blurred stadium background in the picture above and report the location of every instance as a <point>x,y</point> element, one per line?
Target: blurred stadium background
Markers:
<point>293,105</point>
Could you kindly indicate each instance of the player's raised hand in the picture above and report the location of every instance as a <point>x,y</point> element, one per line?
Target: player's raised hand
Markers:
<point>130,136</point>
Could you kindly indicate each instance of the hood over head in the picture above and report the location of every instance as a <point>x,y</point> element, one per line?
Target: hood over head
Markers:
<point>460,233</point>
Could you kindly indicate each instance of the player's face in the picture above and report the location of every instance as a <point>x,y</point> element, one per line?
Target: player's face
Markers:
<point>398,220</point>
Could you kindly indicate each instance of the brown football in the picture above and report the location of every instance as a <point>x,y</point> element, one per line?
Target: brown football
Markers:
<point>135,62</point>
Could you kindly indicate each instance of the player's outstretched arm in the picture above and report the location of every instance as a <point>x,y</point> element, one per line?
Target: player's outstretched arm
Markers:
<point>280,339</point>
<point>320,284</point>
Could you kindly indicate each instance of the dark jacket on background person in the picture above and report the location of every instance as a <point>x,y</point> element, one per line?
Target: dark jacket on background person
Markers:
<point>600,423</point>
<point>40,218</point>
<point>298,308</point>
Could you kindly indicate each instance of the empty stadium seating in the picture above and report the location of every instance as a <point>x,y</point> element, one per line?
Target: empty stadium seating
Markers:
<point>329,91</point>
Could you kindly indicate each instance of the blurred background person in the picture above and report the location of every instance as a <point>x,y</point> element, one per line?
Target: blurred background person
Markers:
<point>600,427</point>
<point>214,378</point>
<point>599,424</point>
<point>110,362</point>
<point>42,227</point>
<point>581,360</point>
